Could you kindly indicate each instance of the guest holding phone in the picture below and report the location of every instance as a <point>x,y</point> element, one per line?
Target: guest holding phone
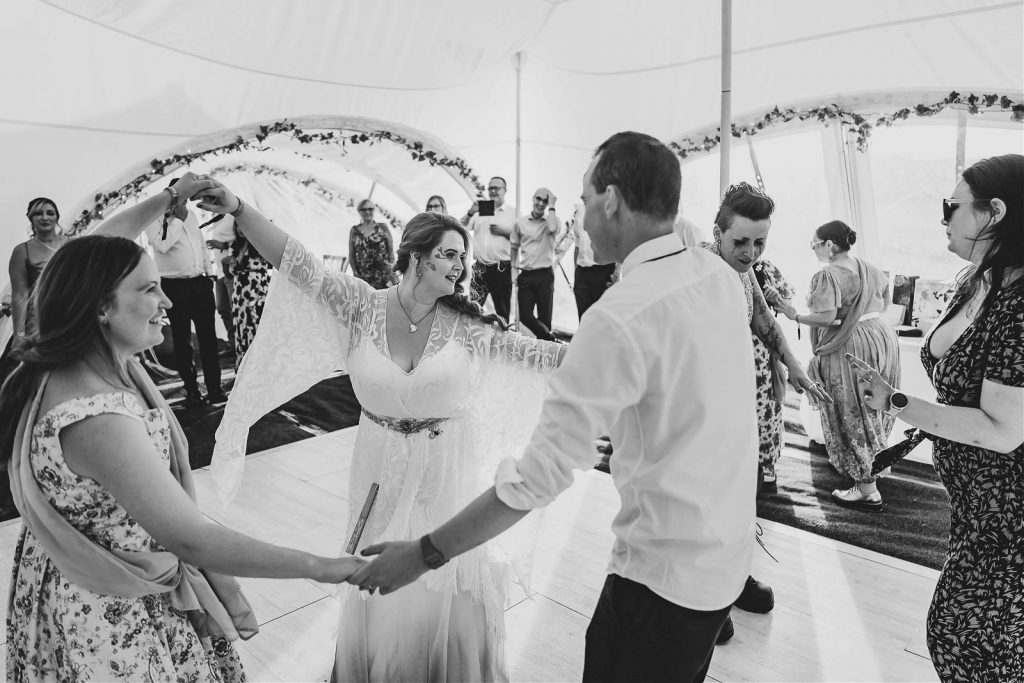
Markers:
<point>491,229</point>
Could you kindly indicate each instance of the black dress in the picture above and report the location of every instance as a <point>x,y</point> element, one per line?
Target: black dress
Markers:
<point>976,619</point>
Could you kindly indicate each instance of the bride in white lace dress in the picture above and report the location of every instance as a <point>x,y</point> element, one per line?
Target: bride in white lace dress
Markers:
<point>446,393</point>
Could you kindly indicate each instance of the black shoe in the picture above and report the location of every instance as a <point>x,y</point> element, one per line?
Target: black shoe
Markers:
<point>756,597</point>
<point>193,399</point>
<point>727,632</point>
<point>216,397</point>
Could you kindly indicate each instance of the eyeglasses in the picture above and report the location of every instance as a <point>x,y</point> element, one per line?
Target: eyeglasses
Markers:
<point>540,199</point>
<point>367,208</point>
<point>816,243</point>
<point>495,188</point>
<point>949,206</point>
<point>433,206</point>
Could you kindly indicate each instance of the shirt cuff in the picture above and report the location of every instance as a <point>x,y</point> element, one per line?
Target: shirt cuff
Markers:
<point>512,490</point>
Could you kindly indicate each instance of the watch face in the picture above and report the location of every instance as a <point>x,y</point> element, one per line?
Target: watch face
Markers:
<point>898,400</point>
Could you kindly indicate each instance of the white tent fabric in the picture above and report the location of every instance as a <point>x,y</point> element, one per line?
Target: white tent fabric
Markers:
<point>94,89</point>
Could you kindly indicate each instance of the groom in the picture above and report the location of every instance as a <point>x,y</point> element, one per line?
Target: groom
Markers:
<point>672,340</point>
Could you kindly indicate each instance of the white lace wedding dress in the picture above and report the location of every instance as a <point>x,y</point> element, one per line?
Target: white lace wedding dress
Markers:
<point>486,383</point>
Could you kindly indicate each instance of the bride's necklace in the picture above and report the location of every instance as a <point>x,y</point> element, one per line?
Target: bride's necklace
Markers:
<point>413,324</point>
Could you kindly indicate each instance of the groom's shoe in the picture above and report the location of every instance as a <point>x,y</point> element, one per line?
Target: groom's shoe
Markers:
<point>756,597</point>
<point>727,632</point>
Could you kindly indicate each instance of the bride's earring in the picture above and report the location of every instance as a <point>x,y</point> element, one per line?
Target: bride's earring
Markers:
<point>419,271</point>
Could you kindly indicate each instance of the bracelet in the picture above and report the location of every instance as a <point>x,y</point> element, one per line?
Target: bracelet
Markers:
<point>797,319</point>
<point>174,197</point>
<point>240,210</point>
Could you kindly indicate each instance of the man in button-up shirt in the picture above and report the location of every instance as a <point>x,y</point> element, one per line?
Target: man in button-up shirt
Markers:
<point>492,272</point>
<point>663,364</point>
<point>533,260</point>
<point>179,249</point>
<point>591,279</point>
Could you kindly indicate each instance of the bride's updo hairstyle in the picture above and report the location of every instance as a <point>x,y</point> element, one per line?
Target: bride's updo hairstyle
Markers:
<point>421,235</point>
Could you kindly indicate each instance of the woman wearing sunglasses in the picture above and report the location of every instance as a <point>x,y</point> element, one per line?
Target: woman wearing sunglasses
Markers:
<point>371,250</point>
<point>975,358</point>
<point>846,299</point>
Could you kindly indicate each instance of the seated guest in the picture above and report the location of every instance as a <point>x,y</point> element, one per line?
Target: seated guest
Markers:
<point>533,259</point>
<point>186,277</point>
<point>117,574</point>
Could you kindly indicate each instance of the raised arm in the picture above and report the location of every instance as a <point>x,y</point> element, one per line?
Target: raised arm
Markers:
<point>19,288</point>
<point>267,238</point>
<point>133,221</point>
<point>116,451</point>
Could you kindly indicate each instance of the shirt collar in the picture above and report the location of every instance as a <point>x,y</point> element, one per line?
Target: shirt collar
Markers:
<point>651,249</point>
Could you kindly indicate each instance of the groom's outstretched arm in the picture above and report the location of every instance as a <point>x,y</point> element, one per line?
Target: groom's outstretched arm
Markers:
<point>602,373</point>
<point>399,564</point>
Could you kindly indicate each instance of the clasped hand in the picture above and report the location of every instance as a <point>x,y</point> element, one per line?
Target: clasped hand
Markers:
<point>397,564</point>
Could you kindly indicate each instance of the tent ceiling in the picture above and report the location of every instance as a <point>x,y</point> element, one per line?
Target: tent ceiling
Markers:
<point>95,87</point>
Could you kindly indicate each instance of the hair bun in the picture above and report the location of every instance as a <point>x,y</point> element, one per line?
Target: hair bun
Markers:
<point>851,238</point>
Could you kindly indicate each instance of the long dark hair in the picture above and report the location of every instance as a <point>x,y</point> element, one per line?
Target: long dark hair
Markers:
<point>1002,178</point>
<point>421,235</point>
<point>77,282</point>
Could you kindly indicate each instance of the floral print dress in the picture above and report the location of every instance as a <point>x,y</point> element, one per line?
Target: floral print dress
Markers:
<point>976,619</point>
<point>250,280</point>
<point>58,631</point>
<point>371,257</point>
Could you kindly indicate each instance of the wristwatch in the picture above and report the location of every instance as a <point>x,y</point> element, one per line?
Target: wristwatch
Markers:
<point>432,557</point>
<point>897,402</point>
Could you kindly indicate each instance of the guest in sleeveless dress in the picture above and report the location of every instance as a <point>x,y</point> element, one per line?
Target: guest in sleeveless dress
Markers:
<point>117,575</point>
<point>370,249</point>
<point>440,385</point>
<point>846,300</point>
<point>975,358</point>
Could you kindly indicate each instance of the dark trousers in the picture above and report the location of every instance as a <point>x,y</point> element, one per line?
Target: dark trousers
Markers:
<point>222,297</point>
<point>590,283</point>
<point>537,290</point>
<point>192,304</point>
<point>636,635</point>
<point>494,279</point>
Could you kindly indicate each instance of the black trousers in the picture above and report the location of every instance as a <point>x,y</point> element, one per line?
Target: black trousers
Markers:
<point>494,279</point>
<point>537,291</point>
<point>637,635</point>
<point>589,284</point>
<point>192,304</point>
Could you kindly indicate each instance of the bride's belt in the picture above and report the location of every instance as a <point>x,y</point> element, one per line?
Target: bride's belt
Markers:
<point>408,425</point>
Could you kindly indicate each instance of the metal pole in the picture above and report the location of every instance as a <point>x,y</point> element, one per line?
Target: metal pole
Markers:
<point>961,143</point>
<point>725,127</point>
<point>514,304</point>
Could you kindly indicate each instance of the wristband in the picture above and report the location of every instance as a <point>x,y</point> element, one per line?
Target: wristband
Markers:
<point>240,210</point>
<point>174,198</point>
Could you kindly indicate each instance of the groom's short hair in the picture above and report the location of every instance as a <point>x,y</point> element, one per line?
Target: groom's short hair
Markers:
<point>645,171</point>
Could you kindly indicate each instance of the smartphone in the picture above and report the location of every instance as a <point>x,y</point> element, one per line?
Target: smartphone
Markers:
<point>485,207</point>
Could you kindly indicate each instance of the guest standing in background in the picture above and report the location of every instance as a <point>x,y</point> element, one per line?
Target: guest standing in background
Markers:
<point>371,250</point>
<point>436,204</point>
<point>533,262</point>
<point>250,280</point>
<point>591,279</point>
<point>846,300</point>
<point>492,250</point>
<point>975,358</point>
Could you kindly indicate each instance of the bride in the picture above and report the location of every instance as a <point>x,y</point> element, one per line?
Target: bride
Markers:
<point>446,392</point>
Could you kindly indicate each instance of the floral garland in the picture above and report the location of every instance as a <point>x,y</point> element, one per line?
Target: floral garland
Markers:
<point>310,183</point>
<point>852,121</point>
<point>159,167</point>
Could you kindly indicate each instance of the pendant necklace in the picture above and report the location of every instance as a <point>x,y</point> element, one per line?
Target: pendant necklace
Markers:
<point>413,324</point>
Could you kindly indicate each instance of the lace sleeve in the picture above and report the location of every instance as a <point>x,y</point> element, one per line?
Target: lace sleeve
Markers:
<point>343,295</point>
<point>523,353</point>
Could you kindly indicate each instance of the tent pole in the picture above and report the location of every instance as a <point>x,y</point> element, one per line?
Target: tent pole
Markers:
<point>514,304</point>
<point>373,186</point>
<point>961,144</point>
<point>725,127</point>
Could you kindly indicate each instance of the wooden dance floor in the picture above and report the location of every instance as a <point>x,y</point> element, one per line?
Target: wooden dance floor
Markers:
<point>841,614</point>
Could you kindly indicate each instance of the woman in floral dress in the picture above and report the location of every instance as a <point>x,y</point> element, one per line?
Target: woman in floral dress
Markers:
<point>846,300</point>
<point>117,575</point>
<point>975,358</point>
<point>370,249</point>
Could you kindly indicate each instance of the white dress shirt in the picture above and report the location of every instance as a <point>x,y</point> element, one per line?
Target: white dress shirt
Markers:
<point>663,364</point>
<point>181,253</point>
<point>585,253</point>
<point>221,231</point>
<point>489,248</point>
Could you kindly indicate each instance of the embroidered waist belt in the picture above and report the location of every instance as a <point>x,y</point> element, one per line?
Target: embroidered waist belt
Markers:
<point>408,425</point>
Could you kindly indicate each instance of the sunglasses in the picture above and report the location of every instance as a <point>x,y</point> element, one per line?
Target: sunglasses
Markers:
<point>949,206</point>
<point>816,243</point>
<point>367,208</point>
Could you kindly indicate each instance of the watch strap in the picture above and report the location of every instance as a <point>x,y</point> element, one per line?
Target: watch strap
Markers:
<point>432,557</point>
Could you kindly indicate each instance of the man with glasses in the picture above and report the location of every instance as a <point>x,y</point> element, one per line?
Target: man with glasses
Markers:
<point>492,272</point>
<point>533,259</point>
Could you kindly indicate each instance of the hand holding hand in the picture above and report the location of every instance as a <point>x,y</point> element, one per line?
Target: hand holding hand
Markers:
<point>338,569</point>
<point>800,381</point>
<point>216,198</point>
<point>875,390</point>
<point>398,564</point>
<point>190,184</point>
